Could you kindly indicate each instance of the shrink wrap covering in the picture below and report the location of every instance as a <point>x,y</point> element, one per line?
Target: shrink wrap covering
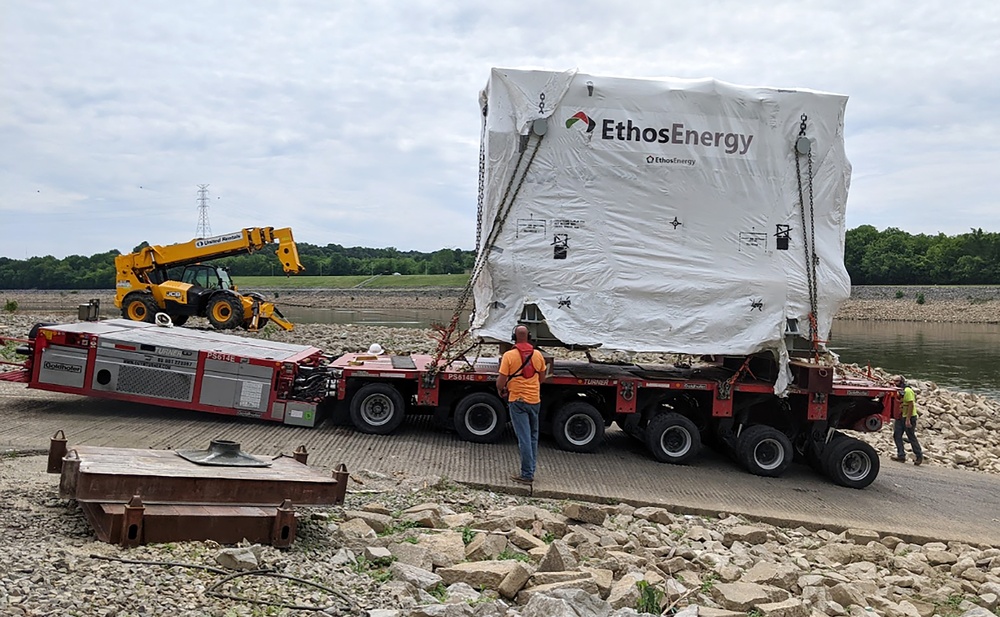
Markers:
<point>659,215</point>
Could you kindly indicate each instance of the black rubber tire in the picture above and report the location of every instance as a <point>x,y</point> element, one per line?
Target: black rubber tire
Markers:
<point>480,417</point>
<point>179,320</point>
<point>765,451</point>
<point>377,408</point>
<point>224,312</point>
<point>578,427</point>
<point>261,322</point>
<point>139,306</point>
<point>851,462</point>
<point>815,460</point>
<point>672,438</point>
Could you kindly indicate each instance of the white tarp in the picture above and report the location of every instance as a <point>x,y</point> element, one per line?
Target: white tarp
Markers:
<point>650,217</point>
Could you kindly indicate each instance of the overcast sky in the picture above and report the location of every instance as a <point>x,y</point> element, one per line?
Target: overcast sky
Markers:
<point>357,123</point>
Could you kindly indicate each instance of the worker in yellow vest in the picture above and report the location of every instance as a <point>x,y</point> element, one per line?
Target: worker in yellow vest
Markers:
<point>907,422</point>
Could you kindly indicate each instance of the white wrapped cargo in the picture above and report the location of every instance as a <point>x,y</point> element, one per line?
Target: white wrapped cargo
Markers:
<point>660,215</point>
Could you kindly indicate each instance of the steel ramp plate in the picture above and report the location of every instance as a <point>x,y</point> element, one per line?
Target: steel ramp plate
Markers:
<point>111,475</point>
<point>178,523</point>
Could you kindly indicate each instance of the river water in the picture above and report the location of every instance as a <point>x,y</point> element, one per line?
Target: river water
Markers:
<point>961,356</point>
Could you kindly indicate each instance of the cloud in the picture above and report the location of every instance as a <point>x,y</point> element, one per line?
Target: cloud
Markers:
<point>357,123</point>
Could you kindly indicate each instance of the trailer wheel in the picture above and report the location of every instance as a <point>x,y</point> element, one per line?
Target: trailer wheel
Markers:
<point>377,408</point>
<point>765,451</point>
<point>224,312</point>
<point>851,463</point>
<point>814,457</point>
<point>480,417</point>
<point>139,307</point>
<point>578,427</point>
<point>672,438</point>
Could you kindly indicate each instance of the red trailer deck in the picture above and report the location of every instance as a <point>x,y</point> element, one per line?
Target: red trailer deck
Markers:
<point>670,408</point>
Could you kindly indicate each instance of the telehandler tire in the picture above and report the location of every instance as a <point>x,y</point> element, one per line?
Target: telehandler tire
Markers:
<point>139,306</point>
<point>224,312</point>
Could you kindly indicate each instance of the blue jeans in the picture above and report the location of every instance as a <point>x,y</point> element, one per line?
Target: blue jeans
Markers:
<point>524,417</point>
<point>897,435</point>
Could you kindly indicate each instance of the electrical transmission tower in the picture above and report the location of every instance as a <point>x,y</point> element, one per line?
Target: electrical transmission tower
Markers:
<point>204,228</point>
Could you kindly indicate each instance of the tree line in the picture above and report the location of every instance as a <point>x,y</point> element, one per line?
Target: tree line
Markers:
<point>98,271</point>
<point>873,257</point>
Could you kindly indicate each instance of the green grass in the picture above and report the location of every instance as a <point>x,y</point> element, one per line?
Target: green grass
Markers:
<point>405,281</point>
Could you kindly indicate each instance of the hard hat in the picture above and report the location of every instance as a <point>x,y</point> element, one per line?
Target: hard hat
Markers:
<point>376,350</point>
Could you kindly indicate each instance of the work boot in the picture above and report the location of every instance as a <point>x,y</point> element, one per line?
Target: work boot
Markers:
<point>919,460</point>
<point>900,459</point>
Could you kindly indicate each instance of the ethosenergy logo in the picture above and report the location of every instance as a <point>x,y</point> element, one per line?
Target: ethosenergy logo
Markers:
<point>584,117</point>
<point>677,133</point>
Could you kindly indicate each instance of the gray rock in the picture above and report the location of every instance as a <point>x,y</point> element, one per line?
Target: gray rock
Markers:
<point>418,577</point>
<point>478,574</point>
<point>486,546</point>
<point>378,522</point>
<point>558,557</point>
<point>378,554</point>
<point>587,513</point>
<point>442,610</point>
<point>741,596</point>
<point>746,534</point>
<point>343,557</point>
<point>625,591</point>
<point>357,528</point>
<point>792,607</point>
<point>412,554</point>
<point>978,611</point>
<point>514,581</point>
<point>461,592</point>
<point>565,603</point>
<point>654,515</point>
<point>847,595</point>
<point>445,548</point>
<point>240,558</point>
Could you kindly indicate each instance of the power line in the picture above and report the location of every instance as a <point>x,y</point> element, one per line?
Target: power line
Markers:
<point>204,228</point>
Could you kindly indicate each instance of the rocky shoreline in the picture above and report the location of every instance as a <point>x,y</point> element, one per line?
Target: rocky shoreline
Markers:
<point>411,546</point>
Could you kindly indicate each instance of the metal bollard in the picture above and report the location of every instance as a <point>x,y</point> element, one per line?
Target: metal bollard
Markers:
<point>57,450</point>
<point>283,532</point>
<point>132,522</point>
<point>70,474</point>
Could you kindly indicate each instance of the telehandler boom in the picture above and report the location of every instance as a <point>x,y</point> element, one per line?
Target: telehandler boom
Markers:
<point>145,285</point>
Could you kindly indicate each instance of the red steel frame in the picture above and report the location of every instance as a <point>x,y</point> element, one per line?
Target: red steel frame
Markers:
<point>284,373</point>
<point>369,367</point>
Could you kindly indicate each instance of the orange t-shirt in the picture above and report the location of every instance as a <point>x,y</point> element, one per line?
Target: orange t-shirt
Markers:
<point>518,387</point>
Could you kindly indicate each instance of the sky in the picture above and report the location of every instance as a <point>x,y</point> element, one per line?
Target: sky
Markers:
<point>357,122</point>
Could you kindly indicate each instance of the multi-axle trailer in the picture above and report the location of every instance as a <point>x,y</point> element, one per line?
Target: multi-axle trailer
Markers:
<point>672,409</point>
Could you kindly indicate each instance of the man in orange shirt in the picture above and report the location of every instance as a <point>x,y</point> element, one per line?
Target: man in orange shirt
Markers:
<point>522,371</point>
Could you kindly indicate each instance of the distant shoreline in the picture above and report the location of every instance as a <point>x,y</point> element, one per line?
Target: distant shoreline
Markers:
<point>957,304</point>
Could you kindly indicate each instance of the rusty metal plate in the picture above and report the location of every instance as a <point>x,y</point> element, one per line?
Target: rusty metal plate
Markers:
<point>133,524</point>
<point>110,475</point>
